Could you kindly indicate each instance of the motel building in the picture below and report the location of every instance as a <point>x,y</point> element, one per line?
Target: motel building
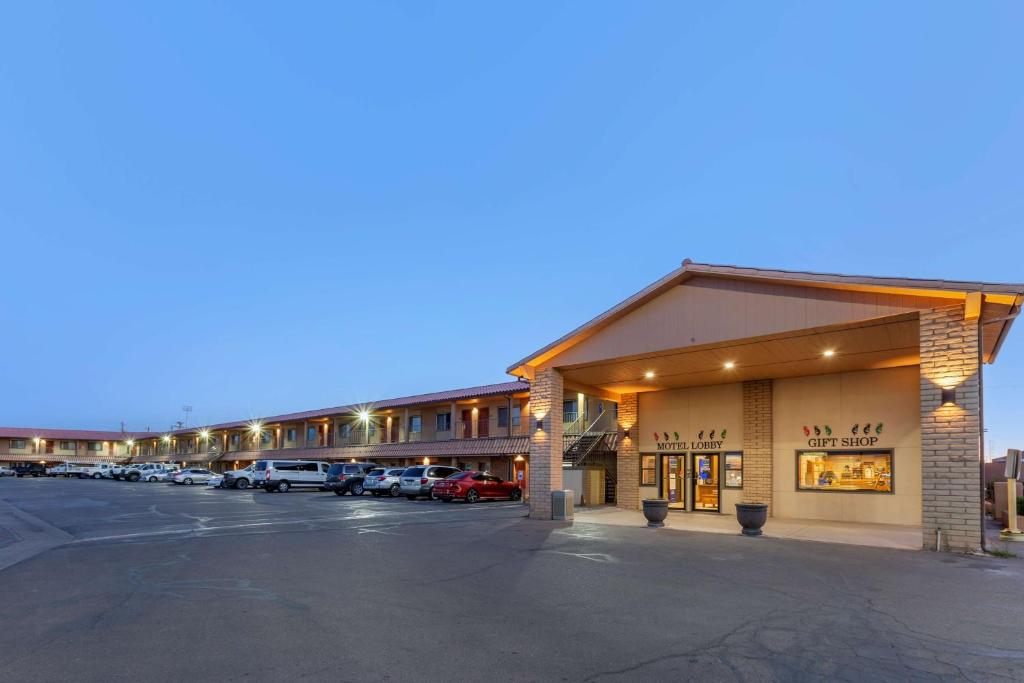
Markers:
<point>828,397</point>
<point>49,447</point>
<point>480,428</point>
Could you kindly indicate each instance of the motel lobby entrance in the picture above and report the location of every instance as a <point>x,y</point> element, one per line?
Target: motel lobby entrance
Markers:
<point>690,481</point>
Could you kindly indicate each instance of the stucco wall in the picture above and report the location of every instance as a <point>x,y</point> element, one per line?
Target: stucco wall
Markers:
<point>841,400</point>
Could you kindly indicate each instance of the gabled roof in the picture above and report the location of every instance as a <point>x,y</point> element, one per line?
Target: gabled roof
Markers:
<point>485,391</point>
<point>1008,294</point>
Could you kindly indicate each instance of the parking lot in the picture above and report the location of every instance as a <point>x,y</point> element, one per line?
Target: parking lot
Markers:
<point>159,582</point>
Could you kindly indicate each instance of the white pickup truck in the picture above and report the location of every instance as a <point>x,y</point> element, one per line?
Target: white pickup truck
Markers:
<point>82,471</point>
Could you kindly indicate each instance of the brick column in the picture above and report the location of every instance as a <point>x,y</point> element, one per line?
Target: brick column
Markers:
<point>546,444</point>
<point>950,435</point>
<point>757,442</point>
<point>627,491</point>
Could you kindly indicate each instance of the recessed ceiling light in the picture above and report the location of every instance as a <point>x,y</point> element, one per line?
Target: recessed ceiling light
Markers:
<point>729,365</point>
<point>649,374</point>
<point>829,353</point>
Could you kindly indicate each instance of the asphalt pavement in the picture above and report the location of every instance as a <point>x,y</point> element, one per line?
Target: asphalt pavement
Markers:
<point>155,582</point>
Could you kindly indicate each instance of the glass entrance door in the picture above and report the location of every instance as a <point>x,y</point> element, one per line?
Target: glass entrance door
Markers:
<point>673,480</point>
<point>706,489</point>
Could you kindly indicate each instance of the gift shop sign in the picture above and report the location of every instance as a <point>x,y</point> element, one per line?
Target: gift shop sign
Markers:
<point>862,434</point>
<point>705,440</point>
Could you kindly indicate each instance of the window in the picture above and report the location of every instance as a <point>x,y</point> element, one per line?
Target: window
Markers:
<point>346,430</point>
<point>415,424</point>
<point>569,411</point>
<point>19,443</point>
<point>235,439</point>
<point>733,470</point>
<point>516,415</point>
<point>311,435</point>
<point>95,446</point>
<point>291,434</point>
<point>503,416</point>
<point>648,470</point>
<point>444,422</point>
<point>265,437</point>
<point>67,445</point>
<point>869,471</point>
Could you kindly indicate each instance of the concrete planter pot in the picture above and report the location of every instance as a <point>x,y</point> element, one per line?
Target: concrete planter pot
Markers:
<point>751,517</point>
<point>655,510</point>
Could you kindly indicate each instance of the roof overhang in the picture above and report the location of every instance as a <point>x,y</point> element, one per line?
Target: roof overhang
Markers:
<point>1000,303</point>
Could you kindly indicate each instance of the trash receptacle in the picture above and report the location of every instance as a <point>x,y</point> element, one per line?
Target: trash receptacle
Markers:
<point>561,505</point>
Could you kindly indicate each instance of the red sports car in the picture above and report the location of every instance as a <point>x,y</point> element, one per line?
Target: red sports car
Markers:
<point>473,486</point>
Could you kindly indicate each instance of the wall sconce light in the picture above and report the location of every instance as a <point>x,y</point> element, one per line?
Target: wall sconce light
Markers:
<point>949,396</point>
<point>540,425</point>
<point>625,432</point>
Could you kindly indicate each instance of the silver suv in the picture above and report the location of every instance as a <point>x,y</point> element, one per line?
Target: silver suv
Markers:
<point>419,480</point>
<point>384,481</point>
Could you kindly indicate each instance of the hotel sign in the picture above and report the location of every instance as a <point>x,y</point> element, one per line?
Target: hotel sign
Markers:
<point>862,434</point>
<point>705,441</point>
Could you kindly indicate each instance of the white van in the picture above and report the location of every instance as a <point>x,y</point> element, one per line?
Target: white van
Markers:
<point>283,475</point>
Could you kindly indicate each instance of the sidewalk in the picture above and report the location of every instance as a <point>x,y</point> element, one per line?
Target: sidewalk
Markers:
<point>849,533</point>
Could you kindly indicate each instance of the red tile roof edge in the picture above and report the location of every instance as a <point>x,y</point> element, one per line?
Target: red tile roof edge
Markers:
<point>481,391</point>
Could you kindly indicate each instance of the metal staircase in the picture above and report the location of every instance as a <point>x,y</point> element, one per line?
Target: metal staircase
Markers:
<point>598,438</point>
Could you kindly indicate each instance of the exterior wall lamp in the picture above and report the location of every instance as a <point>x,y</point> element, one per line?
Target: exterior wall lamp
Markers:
<point>540,425</point>
<point>949,396</point>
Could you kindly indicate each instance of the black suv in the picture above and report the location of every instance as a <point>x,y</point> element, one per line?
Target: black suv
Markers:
<point>347,477</point>
<point>33,470</point>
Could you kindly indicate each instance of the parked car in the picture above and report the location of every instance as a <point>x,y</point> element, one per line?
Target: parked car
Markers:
<point>62,470</point>
<point>95,471</point>
<point>167,474</point>
<point>348,477</point>
<point>473,486</point>
<point>34,469</point>
<point>283,475</point>
<point>119,471</point>
<point>419,480</point>
<point>146,472</point>
<point>239,479</point>
<point>216,480</point>
<point>6,471</point>
<point>384,482</point>
<point>156,472</point>
<point>192,475</point>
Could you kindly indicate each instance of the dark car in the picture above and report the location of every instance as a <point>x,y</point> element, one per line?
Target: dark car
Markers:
<point>347,477</point>
<point>34,470</point>
<point>473,486</point>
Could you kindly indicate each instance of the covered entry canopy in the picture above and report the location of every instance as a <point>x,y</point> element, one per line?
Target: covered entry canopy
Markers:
<point>708,324</point>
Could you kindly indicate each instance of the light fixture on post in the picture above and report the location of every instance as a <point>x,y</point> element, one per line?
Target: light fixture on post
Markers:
<point>649,374</point>
<point>729,365</point>
<point>828,353</point>
<point>949,396</point>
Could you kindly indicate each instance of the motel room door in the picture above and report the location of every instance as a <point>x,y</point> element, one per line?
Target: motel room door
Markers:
<point>483,422</point>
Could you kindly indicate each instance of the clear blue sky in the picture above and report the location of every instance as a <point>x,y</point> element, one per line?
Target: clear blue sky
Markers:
<point>253,208</point>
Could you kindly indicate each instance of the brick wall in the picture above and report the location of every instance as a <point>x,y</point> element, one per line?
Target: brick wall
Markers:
<point>950,435</point>
<point>757,442</point>
<point>627,492</point>
<point>546,444</point>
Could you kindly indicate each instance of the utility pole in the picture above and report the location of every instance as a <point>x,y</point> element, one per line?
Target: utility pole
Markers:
<point>188,411</point>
